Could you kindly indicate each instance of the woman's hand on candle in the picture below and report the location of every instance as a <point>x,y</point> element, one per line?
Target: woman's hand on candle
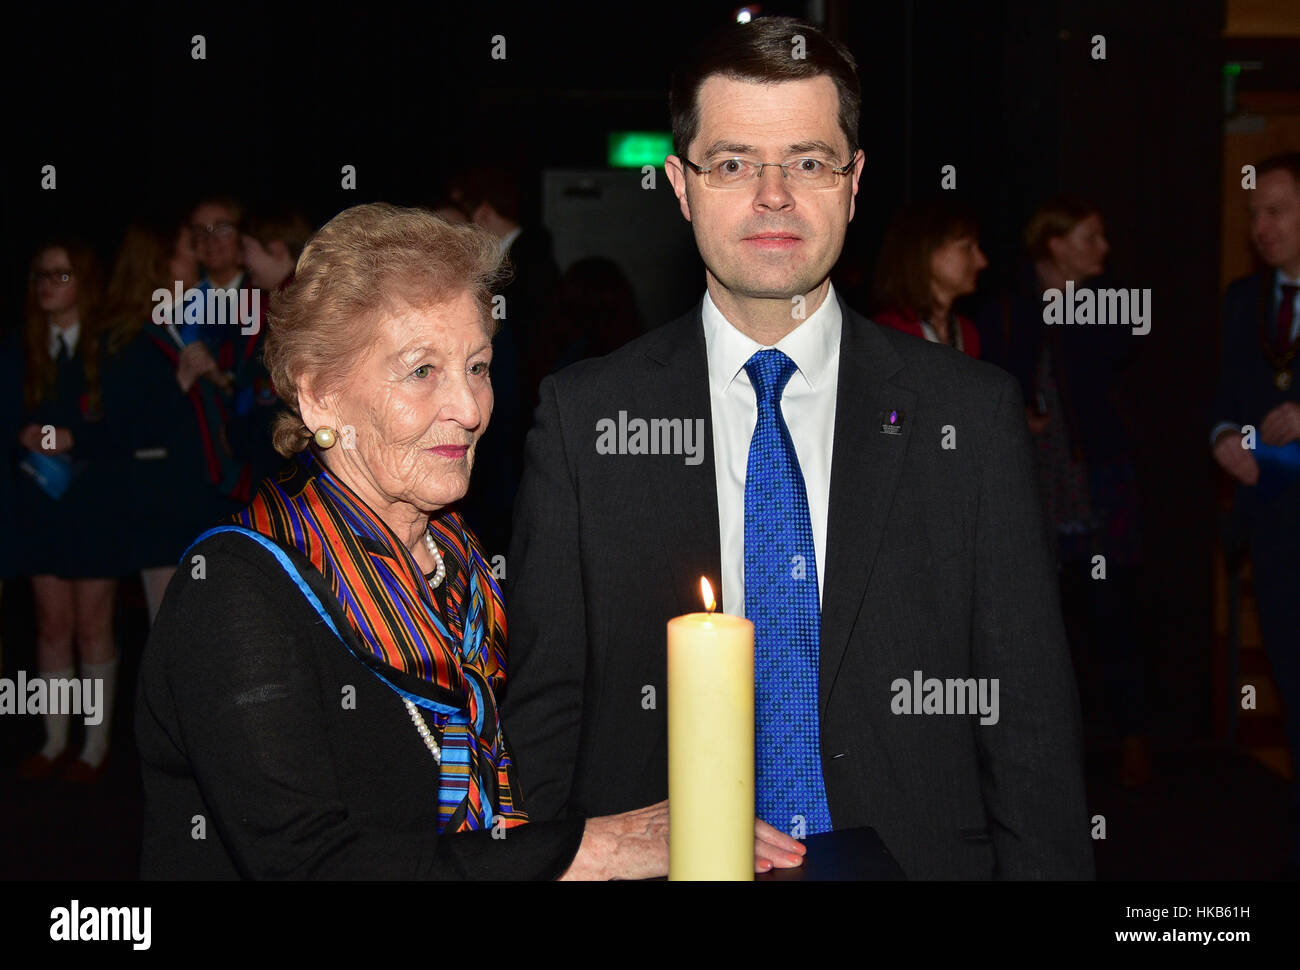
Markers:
<point>633,845</point>
<point>773,849</point>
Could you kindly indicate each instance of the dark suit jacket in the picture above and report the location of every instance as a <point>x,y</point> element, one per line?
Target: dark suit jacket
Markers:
<point>533,278</point>
<point>937,560</point>
<point>1246,393</point>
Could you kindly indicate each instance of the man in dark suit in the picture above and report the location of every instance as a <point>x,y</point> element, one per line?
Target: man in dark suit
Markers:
<point>491,197</point>
<point>1258,389</point>
<point>867,498</point>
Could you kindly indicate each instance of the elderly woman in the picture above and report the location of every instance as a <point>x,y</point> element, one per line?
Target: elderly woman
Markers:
<point>318,697</point>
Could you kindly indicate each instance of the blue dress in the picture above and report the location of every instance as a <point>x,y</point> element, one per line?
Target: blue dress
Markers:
<point>11,413</point>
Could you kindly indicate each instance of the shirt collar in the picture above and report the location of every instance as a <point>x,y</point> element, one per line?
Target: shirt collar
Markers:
<point>509,238</point>
<point>236,284</point>
<point>70,337</point>
<point>1279,278</point>
<point>812,345</point>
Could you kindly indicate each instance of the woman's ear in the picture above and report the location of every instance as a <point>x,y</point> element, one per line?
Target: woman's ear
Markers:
<point>316,411</point>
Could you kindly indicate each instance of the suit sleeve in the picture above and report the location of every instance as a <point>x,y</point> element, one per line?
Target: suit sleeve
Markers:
<point>248,710</point>
<point>1031,760</point>
<point>545,604</point>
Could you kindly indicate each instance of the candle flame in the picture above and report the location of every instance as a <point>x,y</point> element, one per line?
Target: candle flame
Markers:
<point>706,592</point>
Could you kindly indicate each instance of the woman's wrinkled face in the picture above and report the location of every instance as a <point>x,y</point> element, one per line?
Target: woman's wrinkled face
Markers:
<point>413,410</point>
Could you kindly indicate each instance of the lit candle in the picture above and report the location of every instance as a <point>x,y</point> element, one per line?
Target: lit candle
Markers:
<point>710,745</point>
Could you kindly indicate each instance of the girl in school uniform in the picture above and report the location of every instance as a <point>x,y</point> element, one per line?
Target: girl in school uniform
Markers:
<point>67,487</point>
<point>173,448</point>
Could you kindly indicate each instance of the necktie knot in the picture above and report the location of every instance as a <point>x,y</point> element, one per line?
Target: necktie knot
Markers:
<point>769,371</point>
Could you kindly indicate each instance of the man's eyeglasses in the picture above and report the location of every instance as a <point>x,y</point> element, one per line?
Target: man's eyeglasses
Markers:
<point>56,276</point>
<point>220,230</point>
<point>808,172</point>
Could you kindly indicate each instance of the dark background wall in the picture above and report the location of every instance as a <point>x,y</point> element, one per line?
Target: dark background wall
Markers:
<point>1006,91</point>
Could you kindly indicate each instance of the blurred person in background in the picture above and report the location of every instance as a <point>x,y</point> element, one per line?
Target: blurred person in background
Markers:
<point>1070,377</point>
<point>270,246</point>
<point>11,413</point>
<point>173,454</point>
<point>592,313</point>
<point>211,349</point>
<point>69,498</point>
<point>930,257</point>
<point>493,198</point>
<point>1258,388</point>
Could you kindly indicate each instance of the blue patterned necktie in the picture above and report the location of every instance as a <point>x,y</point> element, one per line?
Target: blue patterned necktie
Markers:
<point>781,601</point>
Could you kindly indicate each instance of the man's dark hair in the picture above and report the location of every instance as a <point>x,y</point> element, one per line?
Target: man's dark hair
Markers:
<point>281,223</point>
<point>764,50</point>
<point>1283,162</point>
<point>496,185</point>
<point>227,202</point>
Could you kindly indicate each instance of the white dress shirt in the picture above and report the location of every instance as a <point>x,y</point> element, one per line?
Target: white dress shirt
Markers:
<point>932,335</point>
<point>230,291</point>
<point>808,406</point>
<point>70,337</point>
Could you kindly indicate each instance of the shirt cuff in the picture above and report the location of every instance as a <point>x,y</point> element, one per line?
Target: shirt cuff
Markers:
<point>1221,427</point>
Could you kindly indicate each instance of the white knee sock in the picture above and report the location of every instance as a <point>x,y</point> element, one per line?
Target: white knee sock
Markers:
<point>56,725</point>
<point>96,747</point>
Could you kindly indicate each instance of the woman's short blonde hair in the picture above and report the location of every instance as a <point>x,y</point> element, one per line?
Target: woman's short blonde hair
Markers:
<point>1053,219</point>
<point>365,262</point>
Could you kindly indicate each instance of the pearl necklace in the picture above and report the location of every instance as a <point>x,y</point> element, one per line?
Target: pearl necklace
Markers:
<point>440,572</point>
<point>425,734</point>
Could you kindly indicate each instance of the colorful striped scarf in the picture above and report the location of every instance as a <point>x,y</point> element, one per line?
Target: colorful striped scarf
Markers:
<point>452,669</point>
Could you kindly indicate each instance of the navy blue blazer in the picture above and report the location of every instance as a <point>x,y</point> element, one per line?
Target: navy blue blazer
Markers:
<point>1247,392</point>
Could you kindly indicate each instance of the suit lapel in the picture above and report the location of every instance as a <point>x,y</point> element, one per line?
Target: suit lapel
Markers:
<point>685,497</point>
<point>865,467</point>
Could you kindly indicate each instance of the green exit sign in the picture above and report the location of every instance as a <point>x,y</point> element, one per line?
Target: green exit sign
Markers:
<point>633,149</point>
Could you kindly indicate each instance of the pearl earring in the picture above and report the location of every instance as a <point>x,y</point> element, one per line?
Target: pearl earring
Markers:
<point>325,438</point>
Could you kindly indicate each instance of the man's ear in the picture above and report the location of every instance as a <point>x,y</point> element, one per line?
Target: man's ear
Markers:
<point>677,176</point>
<point>859,164</point>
